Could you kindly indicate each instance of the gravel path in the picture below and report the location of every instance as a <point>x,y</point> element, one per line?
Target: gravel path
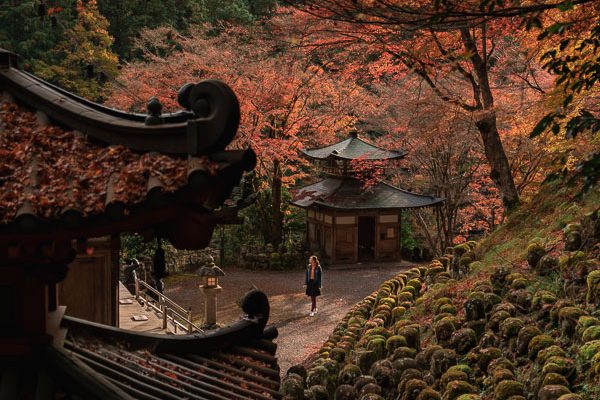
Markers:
<point>300,336</point>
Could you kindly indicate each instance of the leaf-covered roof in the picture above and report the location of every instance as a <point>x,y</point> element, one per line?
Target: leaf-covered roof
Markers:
<point>353,148</point>
<point>349,194</point>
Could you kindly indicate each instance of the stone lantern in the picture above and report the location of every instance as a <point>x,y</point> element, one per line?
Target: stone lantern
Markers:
<point>210,287</point>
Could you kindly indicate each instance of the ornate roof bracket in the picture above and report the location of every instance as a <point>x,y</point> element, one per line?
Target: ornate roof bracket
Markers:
<point>209,127</point>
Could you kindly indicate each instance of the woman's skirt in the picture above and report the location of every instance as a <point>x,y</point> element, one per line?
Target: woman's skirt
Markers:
<point>312,289</point>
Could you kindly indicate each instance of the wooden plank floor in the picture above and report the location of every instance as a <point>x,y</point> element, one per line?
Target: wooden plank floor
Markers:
<point>127,311</point>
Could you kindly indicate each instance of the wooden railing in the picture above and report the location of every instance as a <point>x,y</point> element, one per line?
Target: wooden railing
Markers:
<point>171,312</point>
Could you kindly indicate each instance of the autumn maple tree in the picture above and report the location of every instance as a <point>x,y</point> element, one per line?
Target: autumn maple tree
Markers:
<point>287,101</point>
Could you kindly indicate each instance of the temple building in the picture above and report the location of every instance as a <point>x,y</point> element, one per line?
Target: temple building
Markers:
<point>74,175</point>
<point>347,223</point>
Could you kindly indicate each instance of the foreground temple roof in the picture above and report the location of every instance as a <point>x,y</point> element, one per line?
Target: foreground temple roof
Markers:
<point>102,362</point>
<point>353,148</point>
<point>348,194</point>
<point>72,169</point>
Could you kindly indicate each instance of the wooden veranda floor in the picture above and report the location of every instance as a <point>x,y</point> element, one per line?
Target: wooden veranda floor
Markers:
<point>129,307</point>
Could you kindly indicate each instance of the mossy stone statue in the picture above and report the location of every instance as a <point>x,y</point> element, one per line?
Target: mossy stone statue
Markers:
<point>429,394</point>
<point>412,389</point>
<point>486,356</point>
<point>538,343</point>
<point>450,376</point>
<point>535,252</point>
<point>511,327</point>
<point>319,392</point>
<point>345,392</point>
<point>553,378</point>
<point>552,392</point>
<point>404,352</point>
<point>525,335</point>
<point>370,388</point>
<point>547,265</point>
<point>348,374</point>
<point>441,360</point>
<point>463,340</point>
<point>548,352</point>
<point>505,389</point>
<point>318,375</point>
<point>292,385</point>
<point>393,342</point>
<point>455,389</point>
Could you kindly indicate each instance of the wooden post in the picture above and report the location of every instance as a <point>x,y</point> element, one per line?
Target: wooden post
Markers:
<point>165,317</point>
<point>189,317</point>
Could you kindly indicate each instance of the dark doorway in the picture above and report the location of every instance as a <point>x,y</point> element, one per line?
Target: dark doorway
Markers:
<point>366,238</point>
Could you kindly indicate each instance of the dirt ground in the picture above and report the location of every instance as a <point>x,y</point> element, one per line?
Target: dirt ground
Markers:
<point>299,334</point>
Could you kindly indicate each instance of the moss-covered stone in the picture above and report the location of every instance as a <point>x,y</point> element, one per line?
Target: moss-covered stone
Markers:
<point>525,335</point>
<point>319,392</point>
<point>429,394</point>
<point>490,300</point>
<point>345,392</point>
<point>511,327</point>
<point>469,396</point>
<point>441,360</point>
<point>444,329</point>
<point>535,251</point>
<point>561,365</point>
<point>500,363</point>
<point>404,352</point>
<point>538,343</point>
<point>292,385</point>
<point>502,374</point>
<point>505,389</point>
<point>412,335</point>
<point>318,375</point>
<point>496,319</point>
<point>338,354</point>
<point>450,376</point>
<point>440,302</point>
<point>455,389</point>
<point>593,288</point>
<point>412,388</point>
<point>570,396</point>
<point>474,309</point>
<point>542,297</point>
<point>364,359</point>
<point>486,356</point>
<point>547,265</point>
<point>348,374</point>
<point>423,358</point>
<point>591,333</point>
<point>553,378</point>
<point>545,354</point>
<point>489,339</point>
<point>377,346</point>
<point>552,392</point>
<point>463,340</point>
<point>448,308</point>
<point>363,380</point>
<point>589,350</point>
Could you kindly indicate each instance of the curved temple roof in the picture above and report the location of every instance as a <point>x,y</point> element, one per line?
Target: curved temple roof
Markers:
<point>70,168</point>
<point>348,194</point>
<point>353,148</point>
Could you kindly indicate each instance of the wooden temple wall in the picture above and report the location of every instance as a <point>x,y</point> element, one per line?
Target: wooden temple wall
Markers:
<point>90,290</point>
<point>335,235</point>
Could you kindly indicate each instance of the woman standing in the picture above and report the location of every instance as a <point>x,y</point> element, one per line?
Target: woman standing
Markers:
<point>314,275</point>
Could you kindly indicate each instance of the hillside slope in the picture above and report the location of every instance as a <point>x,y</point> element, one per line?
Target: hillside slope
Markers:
<point>514,317</point>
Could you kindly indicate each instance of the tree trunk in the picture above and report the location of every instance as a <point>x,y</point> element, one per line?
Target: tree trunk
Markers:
<point>494,151</point>
<point>277,215</point>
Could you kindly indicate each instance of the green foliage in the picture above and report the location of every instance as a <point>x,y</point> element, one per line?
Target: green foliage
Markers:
<point>129,17</point>
<point>134,246</point>
<point>31,35</point>
<point>575,62</point>
<point>84,50</point>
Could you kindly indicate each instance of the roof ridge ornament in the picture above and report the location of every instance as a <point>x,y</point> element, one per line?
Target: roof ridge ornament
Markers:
<point>154,108</point>
<point>8,59</point>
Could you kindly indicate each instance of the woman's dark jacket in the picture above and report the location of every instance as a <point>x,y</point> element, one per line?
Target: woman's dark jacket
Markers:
<point>318,275</point>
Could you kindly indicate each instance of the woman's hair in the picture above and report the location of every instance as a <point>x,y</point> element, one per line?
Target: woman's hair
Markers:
<point>316,260</point>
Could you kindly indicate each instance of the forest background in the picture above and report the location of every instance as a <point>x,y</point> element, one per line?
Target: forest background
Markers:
<point>489,98</point>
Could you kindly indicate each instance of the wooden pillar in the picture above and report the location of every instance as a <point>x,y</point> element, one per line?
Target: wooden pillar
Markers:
<point>356,241</point>
<point>399,242</point>
<point>333,238</point>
